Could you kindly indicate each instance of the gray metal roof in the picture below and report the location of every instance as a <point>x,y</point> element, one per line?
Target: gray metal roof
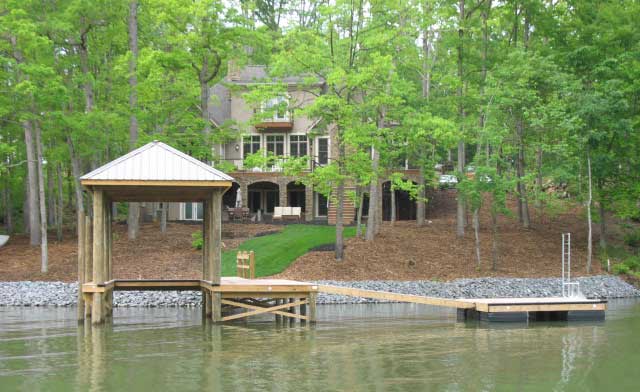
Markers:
<point>157,161</point>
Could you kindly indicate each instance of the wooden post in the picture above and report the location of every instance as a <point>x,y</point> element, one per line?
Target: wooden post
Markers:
<point>215,237</point>
<point>278,317</point>
<point>81,251</point>
<point>292,309</point>
<point>206,228</point>
<point>98,254</point>
<point>252,265</point>
<point>212,237</point>
<point>107,250</point>
<point>216,306</point>
<point>303,311</point>
<point>312,306</point>
<point>88,264</point>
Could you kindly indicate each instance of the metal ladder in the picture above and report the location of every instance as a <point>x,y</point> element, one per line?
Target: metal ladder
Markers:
<point>569,288</point>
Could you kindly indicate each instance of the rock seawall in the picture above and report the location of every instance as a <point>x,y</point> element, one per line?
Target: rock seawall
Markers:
<point>65,294</point>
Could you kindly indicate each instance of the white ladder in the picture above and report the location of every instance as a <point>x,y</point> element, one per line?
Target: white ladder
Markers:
<point>569,288</point>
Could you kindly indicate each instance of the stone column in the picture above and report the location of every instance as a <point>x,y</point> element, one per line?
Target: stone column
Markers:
<point>308,203</point>
<point>244,190</point>
<point>282,192</point>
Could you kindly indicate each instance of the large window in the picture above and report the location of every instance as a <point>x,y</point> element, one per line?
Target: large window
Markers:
<point>192,211</point>
<point>322,205</point>
<point>297,145</point>
<point>250,144</point>
<point>275,144</point>
<point>279,106</point>
<point>323,150</point>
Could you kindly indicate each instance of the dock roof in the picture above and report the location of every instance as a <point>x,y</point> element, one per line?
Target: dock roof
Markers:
<point>161,170</point>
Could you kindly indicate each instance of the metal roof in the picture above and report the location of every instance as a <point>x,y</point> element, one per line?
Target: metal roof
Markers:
<point>156,161</point>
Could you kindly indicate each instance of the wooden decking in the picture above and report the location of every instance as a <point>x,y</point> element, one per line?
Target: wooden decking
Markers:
<point>293,300</point>
<point>286,299</point>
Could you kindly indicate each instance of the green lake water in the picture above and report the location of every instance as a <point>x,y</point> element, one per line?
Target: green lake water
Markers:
<point>390,347</point>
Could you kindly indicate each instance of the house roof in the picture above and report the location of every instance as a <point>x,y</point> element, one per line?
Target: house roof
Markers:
<point>252,74</point>
<point>156,162</point>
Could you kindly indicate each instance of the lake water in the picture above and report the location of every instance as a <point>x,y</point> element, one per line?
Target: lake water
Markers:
<point>391,347</point>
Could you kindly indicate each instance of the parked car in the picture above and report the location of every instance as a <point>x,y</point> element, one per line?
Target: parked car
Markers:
<point>447,181</point>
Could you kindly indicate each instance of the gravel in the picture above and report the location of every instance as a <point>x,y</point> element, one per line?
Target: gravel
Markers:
<point>65,294</point>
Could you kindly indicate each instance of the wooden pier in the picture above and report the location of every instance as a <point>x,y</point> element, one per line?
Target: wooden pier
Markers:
<point>290,300</point>
<point>240,298</point>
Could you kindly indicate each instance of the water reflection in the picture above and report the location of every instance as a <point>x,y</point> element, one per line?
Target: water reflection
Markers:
<point>356,348</point>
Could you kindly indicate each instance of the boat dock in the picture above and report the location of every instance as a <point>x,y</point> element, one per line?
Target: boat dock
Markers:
<point>290,300</point>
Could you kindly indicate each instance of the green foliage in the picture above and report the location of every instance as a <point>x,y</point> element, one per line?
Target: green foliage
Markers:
<point>631,266</point>
<point>632,239</point>
<point>197,240</point>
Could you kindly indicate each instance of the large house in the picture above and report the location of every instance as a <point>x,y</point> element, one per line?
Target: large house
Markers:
<point>286,133</point>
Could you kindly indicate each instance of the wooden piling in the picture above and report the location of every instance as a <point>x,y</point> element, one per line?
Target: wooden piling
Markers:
<point>81,251</point>
<point>98,255</point>
<point>312,306</point>
<point>212,244</point>
<point>88,260</point>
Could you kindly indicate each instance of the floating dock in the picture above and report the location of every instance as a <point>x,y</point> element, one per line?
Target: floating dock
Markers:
<point>495,309</point>
<point>290,300</point>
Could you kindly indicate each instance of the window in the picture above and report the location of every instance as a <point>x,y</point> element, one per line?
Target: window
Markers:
<point>322,205</point>
<point>279,106</point>
<point>323,150</point>
<point>275,144</point>
<point>297,145</point>
<point>250,144</point>
<point>192,211</point>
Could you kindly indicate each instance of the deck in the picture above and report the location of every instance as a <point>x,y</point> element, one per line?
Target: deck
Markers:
<point>292,300</point>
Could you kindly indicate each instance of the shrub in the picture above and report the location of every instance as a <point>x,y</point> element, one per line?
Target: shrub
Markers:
<point>197,239</point>
<point>620,269</point>
<point>632,239</point>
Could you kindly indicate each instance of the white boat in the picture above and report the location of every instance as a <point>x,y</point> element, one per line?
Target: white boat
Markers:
<point>3,239</point>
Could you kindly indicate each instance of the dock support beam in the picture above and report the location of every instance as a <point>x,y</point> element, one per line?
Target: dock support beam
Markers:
<point>212,253</point>
<point>97,311</point>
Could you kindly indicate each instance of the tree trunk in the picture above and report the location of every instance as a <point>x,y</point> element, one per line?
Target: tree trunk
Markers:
<point>539,179</point>
<point>590,236</point>
<point>51,199</point>
<point>461,211</point>
<point>603,225</point>
<point>461,207</point>
<point>26,217</point>
<point>393,206</point>
<point>60,209</point>
<point>359,217</point>
<point>77,173</point>
<point>421,204</point>
<point>43,208</point>
<point>476,231</point>
<point>133,217</point>
<point>8,205</point>
<point>494,239</point>
<point>372,219</point>
<point>32,181</point>
<point>163,218</point>
<point>339,222</point>
<point>522,188</point>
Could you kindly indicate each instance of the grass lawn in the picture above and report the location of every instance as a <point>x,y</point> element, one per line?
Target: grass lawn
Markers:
<point>275,252</point>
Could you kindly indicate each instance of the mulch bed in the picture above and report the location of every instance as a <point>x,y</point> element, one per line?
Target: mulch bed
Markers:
<point>400,252</point>
<point>432,252</point>
<point>151,255</point>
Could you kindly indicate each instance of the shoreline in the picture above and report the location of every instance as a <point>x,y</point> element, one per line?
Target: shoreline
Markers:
<point>35,294</point>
